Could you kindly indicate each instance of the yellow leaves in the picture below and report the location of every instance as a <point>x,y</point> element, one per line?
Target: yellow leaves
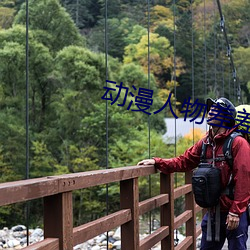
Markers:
<point>160,53</point>
<point>163,94</point>
<point>172,84</point>
<point>180,66</point>
<point>161,12</point>
<point>189,139</point>
<point>195,134</point>
<point>161,16</point>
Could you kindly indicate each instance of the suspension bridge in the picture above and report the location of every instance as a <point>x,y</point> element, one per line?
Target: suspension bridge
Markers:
<point>56,191</point>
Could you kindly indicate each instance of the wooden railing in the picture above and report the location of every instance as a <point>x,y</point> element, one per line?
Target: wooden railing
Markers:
<point>56,192</point>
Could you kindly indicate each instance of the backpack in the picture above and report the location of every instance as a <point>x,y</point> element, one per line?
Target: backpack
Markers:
<point>206,179</point>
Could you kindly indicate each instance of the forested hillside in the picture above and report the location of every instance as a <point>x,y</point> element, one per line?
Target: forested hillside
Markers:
<point>74,46</point>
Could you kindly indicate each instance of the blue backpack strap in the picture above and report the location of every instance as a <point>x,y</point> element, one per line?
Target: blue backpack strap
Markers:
<point>227,148</point>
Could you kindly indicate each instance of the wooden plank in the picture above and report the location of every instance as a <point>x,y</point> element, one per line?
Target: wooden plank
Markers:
<point>58,219</point>
<point>190,205</point>
<point>154,238</point>
<point>178,192</point>
<point>46,244</point>
<point>24,190</point>
<point>90,230</point>
<point>129,196</point>
<point>185,244</point>
<point>152,203</point>
<point>94,178</point>
<point>182,218</point>
<point>167,210</point>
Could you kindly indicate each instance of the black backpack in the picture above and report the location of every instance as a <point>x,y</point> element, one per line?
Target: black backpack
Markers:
<point>206,180</point>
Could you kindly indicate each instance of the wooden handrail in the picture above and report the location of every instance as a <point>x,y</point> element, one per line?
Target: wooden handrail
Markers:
<point>24,190</point>
<point>58,208</point>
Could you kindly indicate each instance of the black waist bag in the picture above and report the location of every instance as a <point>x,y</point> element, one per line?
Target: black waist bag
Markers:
<point>206,182</point>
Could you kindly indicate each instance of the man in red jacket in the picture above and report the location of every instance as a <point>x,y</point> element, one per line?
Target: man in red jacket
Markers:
<point>233,212</point>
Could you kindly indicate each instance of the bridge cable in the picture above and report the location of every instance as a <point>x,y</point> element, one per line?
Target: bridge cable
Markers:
<point>192,37</point>
<point>205,50</point>
<point>27,204</point>
<point>215,53</point>
<point>107,124</point>
<point>175,94</point>
<point>229,54</point>
<point>149,142</point>
<point>222,68</point>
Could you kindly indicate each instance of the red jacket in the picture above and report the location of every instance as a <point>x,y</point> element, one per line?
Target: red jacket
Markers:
<point>241,167</point>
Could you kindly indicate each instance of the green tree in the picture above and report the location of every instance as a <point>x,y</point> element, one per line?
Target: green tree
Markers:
<point>53,25</point>
<point>84,13</point>
<point>6,17</point>
<point>161,57</point>
<point>117,32</point>
<point>241,56</point>
<point>13,60</point>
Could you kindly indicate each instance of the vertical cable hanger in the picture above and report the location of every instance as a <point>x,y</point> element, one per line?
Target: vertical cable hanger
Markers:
<point>107,125</point>
<point>77,13</point>
<point>222,61</point>
<point>175,94</point>
<point>205,51</point>
<point>215,52</point>
<point>229,83</point>
<point>27,207</point>
<point>192,24</point>
<point>174,76</point>
<point>230,56</point>
<point>149,153</point>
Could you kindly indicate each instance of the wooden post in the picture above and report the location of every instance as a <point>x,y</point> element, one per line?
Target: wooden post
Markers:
<point>190,205</point>
<point>58,219</point>
<point>167,210</point>
<point>129,198</point>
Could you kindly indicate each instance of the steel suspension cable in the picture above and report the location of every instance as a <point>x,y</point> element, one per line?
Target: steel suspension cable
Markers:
<point>77,13</point>
<point>27,207</point>
<point>175,94</point>
<point>192,76</point>
<point>229,53</point>
<point>221,47</point>
<point>215,52</point>
<point>107,111</point>
<point>229,83</point>
<point>205,51</point>
<point>174,73</point>
<point>149,142</point>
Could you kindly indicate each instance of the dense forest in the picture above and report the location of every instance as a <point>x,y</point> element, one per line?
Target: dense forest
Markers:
<point>74,47</point>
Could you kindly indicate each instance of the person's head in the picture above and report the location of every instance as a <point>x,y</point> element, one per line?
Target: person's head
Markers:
<point>225,108</point>
<point>243,120</point>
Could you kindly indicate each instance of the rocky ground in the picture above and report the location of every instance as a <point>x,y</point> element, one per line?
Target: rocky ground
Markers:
<point>16,238</point>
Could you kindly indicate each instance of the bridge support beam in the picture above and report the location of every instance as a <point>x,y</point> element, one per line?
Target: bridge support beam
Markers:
<point>58,219</point>
<point>190,205</point>
<point>129,198</point>
<point>167,210</point>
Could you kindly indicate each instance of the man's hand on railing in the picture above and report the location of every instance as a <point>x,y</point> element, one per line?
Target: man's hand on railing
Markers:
<point>146,162</point>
